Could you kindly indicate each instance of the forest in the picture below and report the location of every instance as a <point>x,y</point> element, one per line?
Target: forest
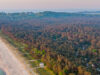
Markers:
<point>68,43</point>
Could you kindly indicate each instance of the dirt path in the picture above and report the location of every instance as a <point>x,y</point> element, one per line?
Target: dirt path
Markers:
<point>9,61</point>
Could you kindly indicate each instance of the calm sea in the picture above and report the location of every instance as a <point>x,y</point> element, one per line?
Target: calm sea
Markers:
<point>2,72</point>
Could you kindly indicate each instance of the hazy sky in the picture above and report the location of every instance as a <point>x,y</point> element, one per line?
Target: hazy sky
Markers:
<point>48,4</point>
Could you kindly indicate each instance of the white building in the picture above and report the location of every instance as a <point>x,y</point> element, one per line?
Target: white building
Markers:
<point>41,65</point>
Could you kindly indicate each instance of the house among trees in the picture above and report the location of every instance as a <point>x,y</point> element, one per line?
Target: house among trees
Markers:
<point>41,65</point>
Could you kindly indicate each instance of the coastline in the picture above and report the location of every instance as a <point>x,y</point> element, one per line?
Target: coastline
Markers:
<point>18,55</point>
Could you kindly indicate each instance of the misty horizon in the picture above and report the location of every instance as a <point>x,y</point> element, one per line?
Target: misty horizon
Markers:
<point>54,10</point>
<point>48,5</point>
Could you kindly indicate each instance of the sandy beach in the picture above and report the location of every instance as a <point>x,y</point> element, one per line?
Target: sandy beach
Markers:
<point>10,62</point>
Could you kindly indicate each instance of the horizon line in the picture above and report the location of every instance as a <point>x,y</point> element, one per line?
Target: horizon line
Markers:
<point>42,10</point>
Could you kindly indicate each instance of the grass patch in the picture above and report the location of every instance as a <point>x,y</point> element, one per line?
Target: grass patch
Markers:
<point>42,71</point>
<point>34,64</point>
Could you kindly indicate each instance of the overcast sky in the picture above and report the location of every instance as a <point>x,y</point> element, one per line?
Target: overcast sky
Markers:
<point>12,5</point>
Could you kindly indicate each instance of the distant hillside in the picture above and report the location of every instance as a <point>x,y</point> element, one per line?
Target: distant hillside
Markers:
<point>91,12</point>
<point>46,14</point>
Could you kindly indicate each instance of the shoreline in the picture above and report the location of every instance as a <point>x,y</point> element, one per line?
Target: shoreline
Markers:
<point>24,62</point>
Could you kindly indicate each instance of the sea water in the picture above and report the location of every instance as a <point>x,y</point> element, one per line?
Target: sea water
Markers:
<point>2,72</point>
